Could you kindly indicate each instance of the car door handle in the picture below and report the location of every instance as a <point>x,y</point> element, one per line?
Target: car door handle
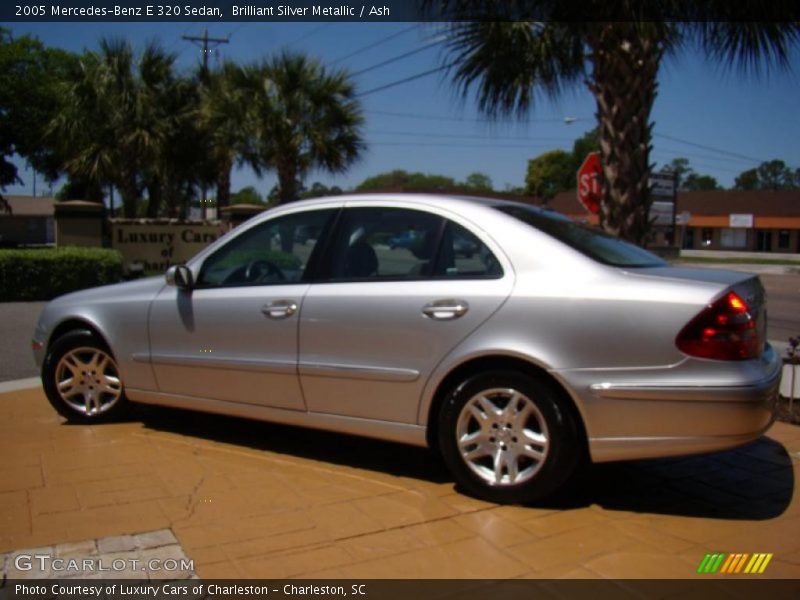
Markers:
<point>444,310</point>
<point>280,309</point>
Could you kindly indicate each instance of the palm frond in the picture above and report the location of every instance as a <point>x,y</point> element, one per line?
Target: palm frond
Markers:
<point>751,47</point>
<point>510,63</point>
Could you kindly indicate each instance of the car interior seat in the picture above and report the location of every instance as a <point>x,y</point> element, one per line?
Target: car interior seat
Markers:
<point>360,260</point>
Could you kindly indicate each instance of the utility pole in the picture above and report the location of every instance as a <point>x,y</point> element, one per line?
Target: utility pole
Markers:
<point>208,43</point>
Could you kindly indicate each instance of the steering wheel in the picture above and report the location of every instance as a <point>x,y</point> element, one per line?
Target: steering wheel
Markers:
<point>258,269</point>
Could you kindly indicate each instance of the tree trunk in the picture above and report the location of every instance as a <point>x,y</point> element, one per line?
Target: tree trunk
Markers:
<point>287,192</point>
<point>624,83</point>
<point>155,197</point>
<point>130,199</point>
<point>287,182</point>
<point>224,185</point>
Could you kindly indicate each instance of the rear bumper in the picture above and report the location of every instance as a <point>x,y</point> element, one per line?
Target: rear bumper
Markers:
<point>653,417</point>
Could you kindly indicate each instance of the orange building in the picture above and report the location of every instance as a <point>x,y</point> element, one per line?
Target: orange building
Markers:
<point>753,221</point>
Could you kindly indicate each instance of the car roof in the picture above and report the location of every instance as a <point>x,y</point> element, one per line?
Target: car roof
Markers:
<point>453,202</point>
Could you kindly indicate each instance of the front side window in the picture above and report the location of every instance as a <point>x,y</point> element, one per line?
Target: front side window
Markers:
<point>274,252</point>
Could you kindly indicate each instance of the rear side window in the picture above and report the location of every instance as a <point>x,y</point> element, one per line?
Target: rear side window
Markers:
<point>385,243</point>
<point>594,243</point>
<point>463,256</point>
<point>404,244</point>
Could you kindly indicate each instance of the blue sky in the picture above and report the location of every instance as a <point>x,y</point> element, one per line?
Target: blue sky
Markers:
<point>734,122</point>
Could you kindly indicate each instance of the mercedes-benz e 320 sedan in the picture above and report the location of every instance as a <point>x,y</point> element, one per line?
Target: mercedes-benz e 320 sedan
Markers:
<point>548,343</point>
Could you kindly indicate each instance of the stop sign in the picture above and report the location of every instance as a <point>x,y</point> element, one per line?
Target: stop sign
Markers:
<point>590,186</point>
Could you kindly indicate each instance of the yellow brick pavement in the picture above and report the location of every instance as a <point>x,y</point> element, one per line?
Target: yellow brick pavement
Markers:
<point>248,499</point>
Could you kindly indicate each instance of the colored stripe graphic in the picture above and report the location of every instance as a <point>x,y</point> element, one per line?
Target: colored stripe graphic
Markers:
<point>734,563</point>
<point>740,564</point>
<point>727,564</point>
<point>703,563</point>
<point>710,563</point>
<point>755,562</point>
<point>767,558</point>
<point>730,564</point>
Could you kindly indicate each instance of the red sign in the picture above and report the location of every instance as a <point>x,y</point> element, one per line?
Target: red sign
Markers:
<point>590,183</point>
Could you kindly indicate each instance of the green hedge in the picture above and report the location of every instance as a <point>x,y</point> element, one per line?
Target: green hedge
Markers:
<point>42,274</point>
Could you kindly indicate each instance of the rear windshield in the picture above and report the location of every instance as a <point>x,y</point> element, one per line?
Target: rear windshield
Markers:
<point>594,243</point>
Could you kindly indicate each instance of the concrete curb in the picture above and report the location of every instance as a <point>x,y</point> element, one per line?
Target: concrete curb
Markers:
<point>742,267</point>
<point>19,384</point>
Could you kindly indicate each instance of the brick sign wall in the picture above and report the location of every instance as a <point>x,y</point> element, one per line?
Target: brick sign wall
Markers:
<point>153,246</point>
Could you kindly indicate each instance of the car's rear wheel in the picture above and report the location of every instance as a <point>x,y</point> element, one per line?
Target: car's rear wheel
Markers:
<point>81,379</point>
<point>508,437</point>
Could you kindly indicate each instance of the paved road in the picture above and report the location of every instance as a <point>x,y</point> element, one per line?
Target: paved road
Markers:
<point>19,319</point>
<point>783,293</point>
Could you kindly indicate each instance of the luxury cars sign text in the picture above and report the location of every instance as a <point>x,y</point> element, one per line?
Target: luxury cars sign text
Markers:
<point>155,246</point>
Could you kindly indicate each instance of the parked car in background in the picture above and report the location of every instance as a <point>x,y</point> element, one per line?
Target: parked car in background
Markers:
<point>406,239</point>
<point>512,341</point>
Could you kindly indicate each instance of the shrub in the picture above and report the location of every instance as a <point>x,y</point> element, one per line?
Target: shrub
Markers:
<point>42,274</point>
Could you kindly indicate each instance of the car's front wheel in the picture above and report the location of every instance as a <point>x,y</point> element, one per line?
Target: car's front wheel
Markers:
<point>81,379</point>
<point>508,437</point>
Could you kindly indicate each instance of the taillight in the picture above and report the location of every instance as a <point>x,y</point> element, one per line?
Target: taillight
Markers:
<point>725,330</point>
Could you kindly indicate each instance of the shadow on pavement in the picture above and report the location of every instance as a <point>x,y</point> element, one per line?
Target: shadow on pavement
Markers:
<point>352,451</point>
<point>755,482</point>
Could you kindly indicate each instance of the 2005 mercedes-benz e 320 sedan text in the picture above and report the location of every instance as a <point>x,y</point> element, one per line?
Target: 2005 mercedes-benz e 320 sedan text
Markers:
<point>547,343</point>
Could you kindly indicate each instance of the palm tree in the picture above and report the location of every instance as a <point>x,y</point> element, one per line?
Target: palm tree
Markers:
<point>513,63</point>
<point>117,117</point>
<point>304,117</point>
<point>225,110</point>
<point>170,106</point>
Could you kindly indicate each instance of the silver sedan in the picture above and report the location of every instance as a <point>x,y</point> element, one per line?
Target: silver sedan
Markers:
<point>547,344</point>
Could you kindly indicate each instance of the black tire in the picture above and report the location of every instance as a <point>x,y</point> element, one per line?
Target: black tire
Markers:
<point>96,380</point>
<point>514,440</point>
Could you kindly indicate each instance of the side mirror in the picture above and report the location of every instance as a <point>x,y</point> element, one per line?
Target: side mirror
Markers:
<point>180,276</point>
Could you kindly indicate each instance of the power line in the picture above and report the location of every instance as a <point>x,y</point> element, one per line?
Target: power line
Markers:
<point>711,148</point>
<point>571,119</point>
<point>682,154</point>
<point>463,119</point>
<point>479,120</point>
<point>306,35</point>
<point>457,145</point>
<point>538,142</point>
<point>474,137</point>
<point>389,61</point>
<point>374,44</point>
<point>405,80</point>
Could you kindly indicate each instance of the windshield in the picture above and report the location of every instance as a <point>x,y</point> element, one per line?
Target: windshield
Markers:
<point>596,244</point>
